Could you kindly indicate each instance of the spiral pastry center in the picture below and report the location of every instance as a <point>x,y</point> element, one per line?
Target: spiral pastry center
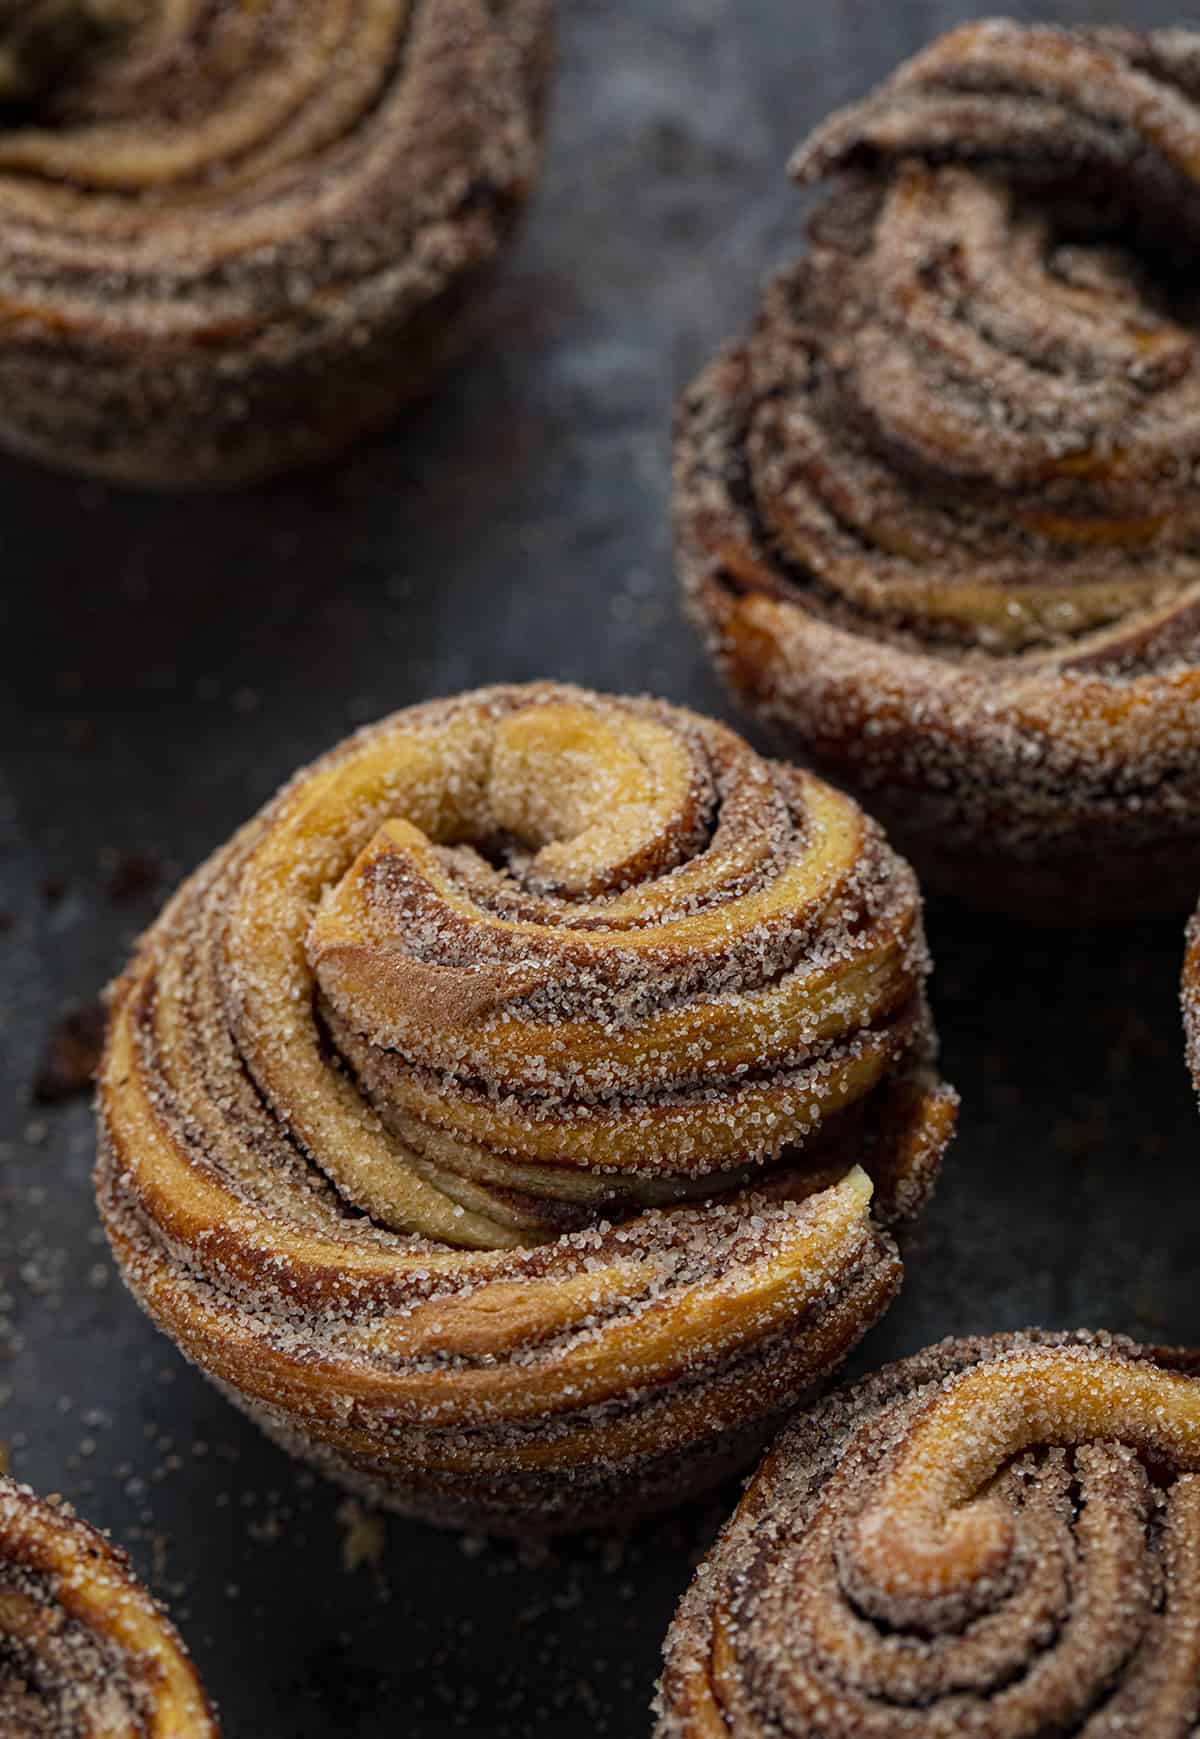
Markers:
<point>596,954</point>
<point>1000,1537</point>
<point>931,1530</point>
<point>135,96</point>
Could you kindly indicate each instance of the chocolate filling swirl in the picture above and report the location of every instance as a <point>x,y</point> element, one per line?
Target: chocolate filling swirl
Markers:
<point>483,1060</point>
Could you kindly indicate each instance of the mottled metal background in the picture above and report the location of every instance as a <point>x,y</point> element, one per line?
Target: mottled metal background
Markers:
<point>167,662</point>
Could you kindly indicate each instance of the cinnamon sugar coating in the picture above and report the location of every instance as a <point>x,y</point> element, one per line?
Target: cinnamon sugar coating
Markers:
<point>511,1117</point>
<point>234,238</point>
<point>998,1537</point>
<point>1190,997</point>
<point>937,514</point>
<point>85,1653</point>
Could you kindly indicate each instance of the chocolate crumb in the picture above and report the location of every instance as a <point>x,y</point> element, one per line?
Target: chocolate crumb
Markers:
<point>134,874</point>
<point>71,1055</point>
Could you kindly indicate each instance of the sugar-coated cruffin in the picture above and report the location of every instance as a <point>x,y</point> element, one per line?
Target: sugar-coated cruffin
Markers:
<point>513,1114</point>
<point>999,1536</point>
<point>937,514</point>
<point>85,1652</point>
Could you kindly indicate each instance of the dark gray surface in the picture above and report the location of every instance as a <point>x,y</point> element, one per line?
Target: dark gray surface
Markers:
<point>168,662</point>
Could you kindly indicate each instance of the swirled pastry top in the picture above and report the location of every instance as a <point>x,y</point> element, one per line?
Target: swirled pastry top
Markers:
<point>972,411</point>
<point>85,1653</point>
<point>210,171</point>
<point>999,1537</point>
<point>572,951</point>
<point>236,237</point>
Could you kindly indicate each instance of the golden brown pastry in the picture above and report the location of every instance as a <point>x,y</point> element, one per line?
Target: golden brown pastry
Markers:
<point>85,1653</point>
<point>233,238</point>
<point>510,1116</point>
<point>998,1537</point>
<point>938,514</point>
